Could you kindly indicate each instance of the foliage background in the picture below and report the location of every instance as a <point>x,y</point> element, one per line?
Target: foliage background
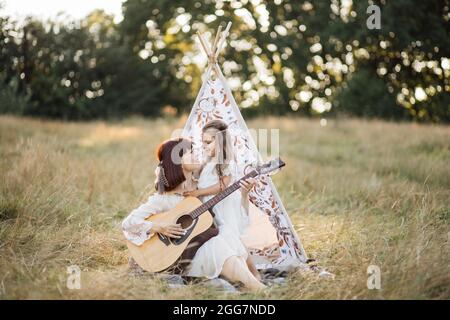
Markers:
<point>283,57</point>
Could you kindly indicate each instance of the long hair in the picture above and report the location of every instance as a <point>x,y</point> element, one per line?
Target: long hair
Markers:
<point>170,171</point>
<point>224,148</point>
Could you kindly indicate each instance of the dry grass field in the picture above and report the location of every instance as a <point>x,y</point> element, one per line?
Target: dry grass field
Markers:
<point>359,193</point>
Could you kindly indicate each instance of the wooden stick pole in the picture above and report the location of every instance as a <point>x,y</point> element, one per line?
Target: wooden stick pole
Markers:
<point>202,42</point>
<point>222,39</point>
<point>216,39</point>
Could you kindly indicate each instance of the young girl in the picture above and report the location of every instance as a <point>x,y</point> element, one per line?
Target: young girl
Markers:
<point>217,173</point>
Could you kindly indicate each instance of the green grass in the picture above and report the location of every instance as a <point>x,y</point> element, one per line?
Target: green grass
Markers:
<point>358,192</point>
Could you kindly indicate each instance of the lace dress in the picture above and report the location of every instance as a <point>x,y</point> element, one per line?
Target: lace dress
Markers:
<point>229,212</point>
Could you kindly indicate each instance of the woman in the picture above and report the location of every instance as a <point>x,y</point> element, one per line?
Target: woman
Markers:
<point>221,254</point>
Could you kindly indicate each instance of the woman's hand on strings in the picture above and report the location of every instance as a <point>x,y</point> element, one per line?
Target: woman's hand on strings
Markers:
<point>170,230</point>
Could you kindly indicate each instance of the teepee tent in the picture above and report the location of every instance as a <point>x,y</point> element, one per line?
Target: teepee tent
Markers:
<point>271,238</point>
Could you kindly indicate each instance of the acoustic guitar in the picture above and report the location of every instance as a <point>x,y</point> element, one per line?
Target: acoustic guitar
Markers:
<point>159,252</point>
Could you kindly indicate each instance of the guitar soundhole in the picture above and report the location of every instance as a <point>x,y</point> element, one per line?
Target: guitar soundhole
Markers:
<point>185,221</point>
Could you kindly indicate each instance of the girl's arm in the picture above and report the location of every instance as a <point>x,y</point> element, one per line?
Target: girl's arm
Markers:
<point>246,186</point>
<point>212,190</point>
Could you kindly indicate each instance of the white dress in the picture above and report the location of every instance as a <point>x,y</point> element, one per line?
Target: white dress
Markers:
<point>209,258</point>
<point>229,212</point>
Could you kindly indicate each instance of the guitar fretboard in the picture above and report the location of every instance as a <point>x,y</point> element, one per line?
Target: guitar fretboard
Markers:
<point>220,196</point>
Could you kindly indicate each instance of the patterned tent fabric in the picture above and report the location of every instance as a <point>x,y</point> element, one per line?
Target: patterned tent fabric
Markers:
<point>215,101</point>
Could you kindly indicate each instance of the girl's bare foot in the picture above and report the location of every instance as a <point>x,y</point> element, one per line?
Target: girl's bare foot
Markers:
<point>255,286</point>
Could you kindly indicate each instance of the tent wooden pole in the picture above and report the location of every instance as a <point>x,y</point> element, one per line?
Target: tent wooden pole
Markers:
<point>222,40</point>
<point>206,44</point>
<point>202,42</point>
<point>216,39</point>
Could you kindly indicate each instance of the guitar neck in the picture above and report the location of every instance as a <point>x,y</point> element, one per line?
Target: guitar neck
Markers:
<point>220,196</point>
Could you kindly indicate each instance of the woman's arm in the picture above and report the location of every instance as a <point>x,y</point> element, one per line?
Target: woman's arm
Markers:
<point>137,229</point>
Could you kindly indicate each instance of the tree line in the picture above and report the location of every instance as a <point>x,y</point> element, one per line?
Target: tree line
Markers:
<point>282,57</point>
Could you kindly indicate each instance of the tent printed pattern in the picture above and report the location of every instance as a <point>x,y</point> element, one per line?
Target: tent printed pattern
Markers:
<point>215,101</point>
